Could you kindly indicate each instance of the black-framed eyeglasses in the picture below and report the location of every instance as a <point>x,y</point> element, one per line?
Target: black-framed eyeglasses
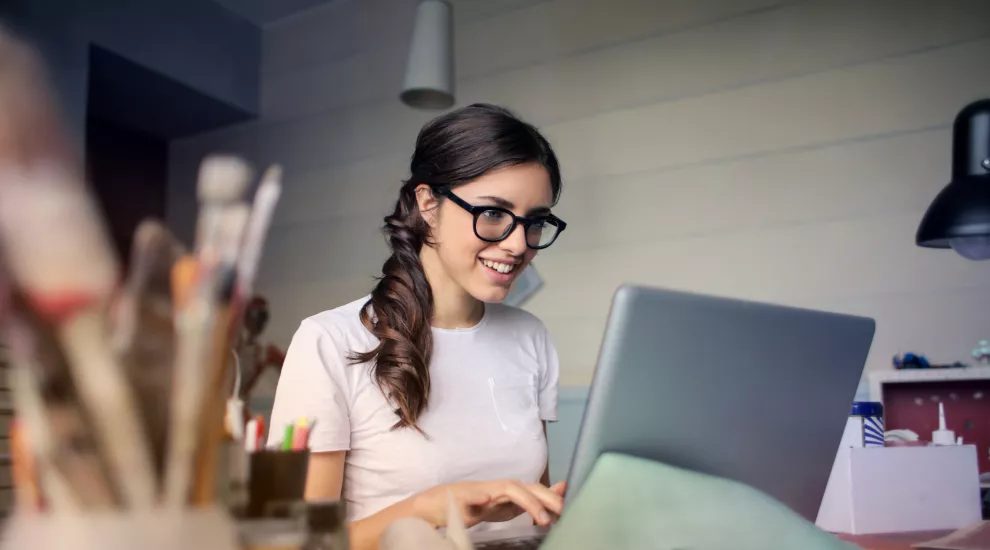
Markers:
<point>494,223</point>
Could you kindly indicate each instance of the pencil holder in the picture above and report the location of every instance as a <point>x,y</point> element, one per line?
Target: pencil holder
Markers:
<point>276,482</point>
<point>187,529</point>
<point>272,534</point>
<point>312,526</point>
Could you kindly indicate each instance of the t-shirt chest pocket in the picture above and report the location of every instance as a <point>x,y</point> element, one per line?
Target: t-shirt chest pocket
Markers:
<point>514,399</point>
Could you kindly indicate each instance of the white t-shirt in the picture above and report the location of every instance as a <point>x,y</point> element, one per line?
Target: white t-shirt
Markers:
<point>491,386</point>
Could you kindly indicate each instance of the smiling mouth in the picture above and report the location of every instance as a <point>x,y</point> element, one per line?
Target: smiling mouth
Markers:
<point>499,267</point>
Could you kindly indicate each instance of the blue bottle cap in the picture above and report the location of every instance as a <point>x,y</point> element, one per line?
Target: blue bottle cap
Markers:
<point>866,408</point>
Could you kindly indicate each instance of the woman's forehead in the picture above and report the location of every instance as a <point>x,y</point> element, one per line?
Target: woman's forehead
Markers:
<point>526,186</point>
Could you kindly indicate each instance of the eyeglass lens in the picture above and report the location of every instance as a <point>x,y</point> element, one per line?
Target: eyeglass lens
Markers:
<point>494,225</point>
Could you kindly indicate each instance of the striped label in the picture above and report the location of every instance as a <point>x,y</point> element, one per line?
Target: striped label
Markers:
<point>872,431</point>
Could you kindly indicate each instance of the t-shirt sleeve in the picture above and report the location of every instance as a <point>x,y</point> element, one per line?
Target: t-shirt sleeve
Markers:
<point>549,378</point>
<point>313,385</point>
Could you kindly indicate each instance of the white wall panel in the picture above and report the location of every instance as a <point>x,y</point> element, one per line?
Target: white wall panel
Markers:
<point>765,149</point>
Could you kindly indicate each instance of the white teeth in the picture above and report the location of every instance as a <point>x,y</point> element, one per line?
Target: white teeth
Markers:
<point>498,266</point>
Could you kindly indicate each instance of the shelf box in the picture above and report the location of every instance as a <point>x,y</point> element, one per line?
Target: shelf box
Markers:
<point>911,397</point>
<point>898,489</point>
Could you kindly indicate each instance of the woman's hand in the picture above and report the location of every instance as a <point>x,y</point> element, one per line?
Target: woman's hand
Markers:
<point>492,501</point>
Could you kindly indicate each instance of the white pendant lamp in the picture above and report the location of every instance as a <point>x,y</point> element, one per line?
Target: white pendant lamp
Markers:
<point>429,80</point>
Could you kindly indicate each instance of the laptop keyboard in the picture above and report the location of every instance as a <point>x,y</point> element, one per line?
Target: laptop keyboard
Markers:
<point>527,543</point>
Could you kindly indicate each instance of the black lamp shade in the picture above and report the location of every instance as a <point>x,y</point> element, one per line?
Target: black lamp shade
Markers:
<point>962,208</point>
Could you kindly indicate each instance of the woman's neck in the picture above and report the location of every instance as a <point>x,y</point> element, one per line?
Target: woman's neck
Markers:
<point>453,307</point>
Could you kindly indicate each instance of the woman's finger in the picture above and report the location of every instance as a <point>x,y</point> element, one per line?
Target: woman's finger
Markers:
<point>525,499</point>
<point>560,488</point>
<point>551,500</point>
<point>473,501</point>
<point>473,497</point>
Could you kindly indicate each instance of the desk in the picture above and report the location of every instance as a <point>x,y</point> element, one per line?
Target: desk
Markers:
<point>896,541</point>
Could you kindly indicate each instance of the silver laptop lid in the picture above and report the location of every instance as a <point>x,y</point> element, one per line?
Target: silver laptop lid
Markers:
<point>753,392</point>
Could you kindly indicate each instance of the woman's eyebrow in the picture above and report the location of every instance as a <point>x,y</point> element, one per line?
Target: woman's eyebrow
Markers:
<point>508,205</point>
<point>497,201</point>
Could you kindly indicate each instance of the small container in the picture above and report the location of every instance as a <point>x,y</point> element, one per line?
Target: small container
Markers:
<point>327,525</point>
<point>276,483</point>
<point>865,425</point>
<point>208,528</point>
<point>271,534</point>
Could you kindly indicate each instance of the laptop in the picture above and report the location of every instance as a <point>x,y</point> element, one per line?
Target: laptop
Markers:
<point>753,392</point>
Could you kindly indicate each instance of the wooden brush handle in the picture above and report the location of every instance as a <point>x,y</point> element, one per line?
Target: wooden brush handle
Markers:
<point>212,433</point>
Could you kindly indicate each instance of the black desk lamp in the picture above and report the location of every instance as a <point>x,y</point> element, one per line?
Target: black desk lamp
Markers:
<point>959,217</point>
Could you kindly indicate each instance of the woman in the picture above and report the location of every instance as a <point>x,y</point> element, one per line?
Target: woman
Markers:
<point>430,386</point>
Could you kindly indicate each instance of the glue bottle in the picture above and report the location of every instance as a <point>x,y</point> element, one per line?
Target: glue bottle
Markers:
<point>864,427</point>
<point>943,436</point>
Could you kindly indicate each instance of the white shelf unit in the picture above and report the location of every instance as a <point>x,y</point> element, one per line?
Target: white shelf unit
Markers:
<point>878,379</point>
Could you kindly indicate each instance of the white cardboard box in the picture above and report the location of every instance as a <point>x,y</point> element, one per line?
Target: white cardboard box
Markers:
<point>898,489</point>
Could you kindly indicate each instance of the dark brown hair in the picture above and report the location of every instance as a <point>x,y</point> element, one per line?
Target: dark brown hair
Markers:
<point>451,150</point>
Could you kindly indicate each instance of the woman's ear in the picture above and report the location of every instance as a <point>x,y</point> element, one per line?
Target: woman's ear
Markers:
<point>427,201</point>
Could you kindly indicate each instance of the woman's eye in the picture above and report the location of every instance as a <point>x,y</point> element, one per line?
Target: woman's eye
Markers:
<point>493,215</point>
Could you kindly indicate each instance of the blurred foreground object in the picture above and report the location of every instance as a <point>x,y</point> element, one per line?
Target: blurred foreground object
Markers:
<point>78,412</point>
<point>630,503</point>
<point>417,534</point>
<point>191,529</point>
<point>117,382</point>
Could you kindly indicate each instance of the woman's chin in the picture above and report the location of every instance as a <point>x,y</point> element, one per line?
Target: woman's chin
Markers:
<point>491,294</point>
<point>491,287</point>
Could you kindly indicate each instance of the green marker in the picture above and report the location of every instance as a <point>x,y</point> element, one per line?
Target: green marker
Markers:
<point>287,438</point>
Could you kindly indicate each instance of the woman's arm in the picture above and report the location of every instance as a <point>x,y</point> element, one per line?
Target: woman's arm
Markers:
<point>366,533</point>
<point>324,482</point>
<point>325,476</point>
<point>478,499</point>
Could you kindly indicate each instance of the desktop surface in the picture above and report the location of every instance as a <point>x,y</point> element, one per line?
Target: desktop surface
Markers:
<point>892,541</point>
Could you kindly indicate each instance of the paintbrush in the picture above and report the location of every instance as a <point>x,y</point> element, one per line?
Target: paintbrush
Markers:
<point>246,261</point>
<point>222,219</point>
<point>210,430</point>
<point>265,200</point>
<point>30,125</point>
<point>33,456</point>
<point>27,493</point>
<point>193,323</point>
<point>72,473</point>
<point>143,335</point>
<point>456,531</point>
<point>417,534</point>
<point>68,281</point>
<point>57,253</point>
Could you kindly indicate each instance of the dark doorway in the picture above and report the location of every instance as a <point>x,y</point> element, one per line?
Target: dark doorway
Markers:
<point>132,114</point>
<point>128,170</point>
